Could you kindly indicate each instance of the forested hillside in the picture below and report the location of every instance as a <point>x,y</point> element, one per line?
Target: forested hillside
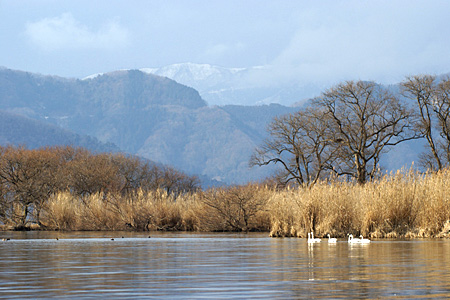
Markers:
<point>143,114</point>
<point>19,130</point>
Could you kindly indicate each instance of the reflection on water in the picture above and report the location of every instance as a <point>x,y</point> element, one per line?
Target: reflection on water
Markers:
<point>182,265</point>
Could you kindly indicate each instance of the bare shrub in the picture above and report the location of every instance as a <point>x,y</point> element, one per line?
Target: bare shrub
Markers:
<point>235,208</point>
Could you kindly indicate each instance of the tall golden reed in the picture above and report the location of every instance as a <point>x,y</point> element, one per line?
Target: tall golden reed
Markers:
<point>402,204</point>
<point>153,210</point>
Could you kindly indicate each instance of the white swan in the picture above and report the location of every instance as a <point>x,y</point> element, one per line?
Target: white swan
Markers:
<point>311,238</point>
<point>331,240</point>
<point>362,240</point>
<point>351,240</point>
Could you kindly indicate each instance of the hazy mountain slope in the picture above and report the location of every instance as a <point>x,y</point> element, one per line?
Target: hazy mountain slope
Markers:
<point>125,106</point>
<point>209,141</point>
<point>17,130</point>
<point>109,107</point>
<point>35,95</point>
<point>255,119</point>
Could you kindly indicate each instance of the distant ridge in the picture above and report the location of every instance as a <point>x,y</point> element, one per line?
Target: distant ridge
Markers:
<point>16,130</point>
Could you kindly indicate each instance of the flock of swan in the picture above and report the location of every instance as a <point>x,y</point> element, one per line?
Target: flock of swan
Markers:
<point>351,240</point>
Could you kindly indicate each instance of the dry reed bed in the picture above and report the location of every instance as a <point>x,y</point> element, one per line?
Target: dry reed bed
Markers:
<point>156,210</point>
<point>405,204</point>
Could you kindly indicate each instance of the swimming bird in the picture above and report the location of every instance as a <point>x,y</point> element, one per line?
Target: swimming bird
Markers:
<point>351,240</point>
<point>331,240</point>
<point>362,240</point>
<point>311,238</point>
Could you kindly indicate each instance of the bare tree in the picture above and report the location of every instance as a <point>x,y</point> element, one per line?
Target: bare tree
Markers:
<point>27,178</point>
<point>345,130</point>
<point>421,89</point>
<point>177,182</point>
<point>441,107</point>
<point>301,143</point>
<point>171,180</point>
<point>133,173</point>
<point>432,98</point>
<point>366,119</point>
<point>92,173</point>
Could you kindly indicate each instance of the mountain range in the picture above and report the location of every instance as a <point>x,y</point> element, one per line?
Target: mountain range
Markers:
<point>243,86</point>
<point>155,117</point>
<point>138,113</point>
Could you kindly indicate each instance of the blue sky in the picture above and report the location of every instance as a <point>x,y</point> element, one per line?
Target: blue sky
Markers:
<point>307,41</point>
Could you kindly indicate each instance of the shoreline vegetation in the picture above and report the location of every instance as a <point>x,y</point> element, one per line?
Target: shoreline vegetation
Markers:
<point>330,181</point>
<point>45,195</point>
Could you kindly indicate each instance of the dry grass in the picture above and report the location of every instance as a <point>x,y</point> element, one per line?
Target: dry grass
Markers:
<point>62,212</point>
<point>401,205</point>
<point>324,208</point>
<point>155,210</point>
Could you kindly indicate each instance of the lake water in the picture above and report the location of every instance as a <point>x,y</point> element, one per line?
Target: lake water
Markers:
<point>217,266</point>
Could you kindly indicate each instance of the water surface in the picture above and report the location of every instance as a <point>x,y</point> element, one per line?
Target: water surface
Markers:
<point>217,266</point>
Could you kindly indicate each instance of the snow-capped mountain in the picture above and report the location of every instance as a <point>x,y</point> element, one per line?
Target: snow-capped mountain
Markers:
<point>243,86</point>
<point>189,72</point>
<point>212,82</point>
<point>239,86</point>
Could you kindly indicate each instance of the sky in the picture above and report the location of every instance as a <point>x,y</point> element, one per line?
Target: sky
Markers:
<point>305,41</point>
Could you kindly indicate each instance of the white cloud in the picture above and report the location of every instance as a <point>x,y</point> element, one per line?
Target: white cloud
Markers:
<point>65,32</point>
<point>302,41</point>
<point>219,52</point>
<point>367,41</point>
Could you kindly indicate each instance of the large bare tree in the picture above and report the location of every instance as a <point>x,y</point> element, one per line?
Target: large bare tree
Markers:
<point>421,89</point>
<point>366,118</point>
<point>432,105</point>
<point>301,143</point>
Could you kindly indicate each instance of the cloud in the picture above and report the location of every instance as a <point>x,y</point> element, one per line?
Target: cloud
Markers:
<point>367,41</point>
<point>221,51</point>
<point>65,32</point>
